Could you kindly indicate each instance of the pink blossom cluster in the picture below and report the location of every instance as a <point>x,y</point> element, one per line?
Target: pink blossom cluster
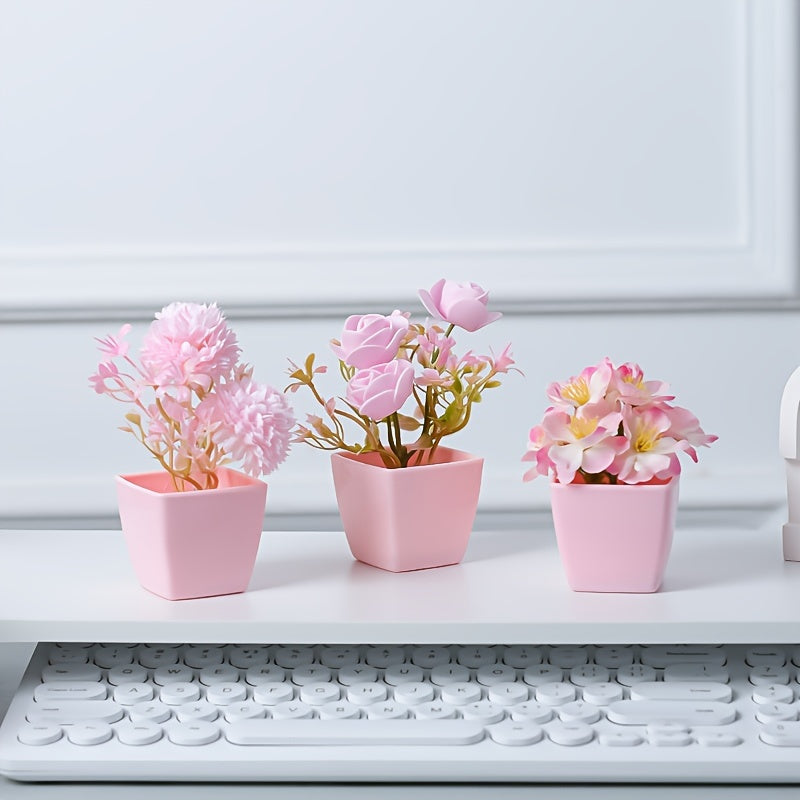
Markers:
<point>196,407</point>
<point>610,425</point>
<point>388,361</point>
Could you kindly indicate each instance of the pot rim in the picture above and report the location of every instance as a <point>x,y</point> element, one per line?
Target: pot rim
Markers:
<point>130,480</point>
<point>602,487</point>
<point>357,458</point>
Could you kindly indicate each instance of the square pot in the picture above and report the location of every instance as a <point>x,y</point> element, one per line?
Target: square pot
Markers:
<point>192,543</point>
<point>407,519</point>
<point>614,538</point>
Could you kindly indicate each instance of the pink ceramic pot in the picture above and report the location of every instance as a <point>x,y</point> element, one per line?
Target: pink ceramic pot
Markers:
<point>192,544</point>
<point>405,519</point>
<point>614,538</point>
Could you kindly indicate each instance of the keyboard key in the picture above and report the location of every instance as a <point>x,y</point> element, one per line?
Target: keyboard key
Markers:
<point>244,711</point>
<point>226,694</point>
<point>588,673</point>
<point>681,690</point>
<point>71,672</point>
<point>290,657</point>
<point>601,694</point>
<point>522,657</point>
<point>567,657</point>
<point>578,711</point>
<point>337,657</point>
<point>781,734</point>
<point>175,673</point>
<point>244,657</point>
<point>620,738</point>
<point>613,657</point>
<point>387,711</point>
<point>339,710</point>
<point>318,694</point>
<point>532,712</point>
<point>718,739</point>
<point>58,691</point>
<point>435,710</point>
<point>555,694</point>
<point>221,673</point>
<point>365,694</point>
<point>266,673</point>
<point>775,712</point>
<point>68,655</point>
<point>670,739</point>
<point>176,694</point>
<point>71,712</point>
<point>383,657</point>
<point>773,693</point>
<point>360,673</point>
<point>569,734</point>
<point>508,694</point>
<point>273,694</point>
<point>543,673</point>
<point>515,733</point>
<point>138,734</point>
<point>491,674</point>
<point>664,655</point>
<point>483,711</point>
<point>39,735</point>
<point>107,657</point>
<point>128,694</point>
<point>461,694</point>
<point>195,733</point>
<point>430,657</point>
<point>635,673</point>
<point>202,657</point>
<point>476,656</point>
<point>403,673</point>
<point>765,657</point>
<point>760,676</point>
<point>418,732</point>
<point>292,710</point>
<point>201,710</point>
<point>413,693</point>
<point>149,712</point>
<point>155,657</point>
<point>311,673</point>
<point>696,672</point>
<point>89,733</point>
<point>132,673</point>
<point>643,712</point>
<point>449,673</point>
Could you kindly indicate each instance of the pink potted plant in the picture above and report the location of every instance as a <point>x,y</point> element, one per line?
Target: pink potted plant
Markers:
<point>406,501</point>
<point>610,443</point>
<point>193,528</point>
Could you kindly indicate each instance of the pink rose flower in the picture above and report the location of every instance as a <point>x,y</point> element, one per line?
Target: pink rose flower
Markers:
<point>381,390</point>
<point>371,339</point>
<point>462,304</point>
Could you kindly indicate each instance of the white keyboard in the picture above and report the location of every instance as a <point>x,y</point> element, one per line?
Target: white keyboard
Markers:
<point>201,712</point>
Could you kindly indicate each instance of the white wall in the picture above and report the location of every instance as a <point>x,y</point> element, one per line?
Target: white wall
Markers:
<point>621,176</point>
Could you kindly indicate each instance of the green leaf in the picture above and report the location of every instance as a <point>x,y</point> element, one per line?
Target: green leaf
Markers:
<point>408,423</point>
<point>492,384</point>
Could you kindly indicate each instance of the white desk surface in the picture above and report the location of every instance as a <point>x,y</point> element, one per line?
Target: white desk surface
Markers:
<point>723,584</point>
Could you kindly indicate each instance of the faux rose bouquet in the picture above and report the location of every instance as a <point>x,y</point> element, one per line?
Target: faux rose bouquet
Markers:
<point>197,407</point>
<point>387,361</point>
<point>610,425</point>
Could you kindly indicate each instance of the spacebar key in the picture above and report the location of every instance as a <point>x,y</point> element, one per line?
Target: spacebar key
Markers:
<point>352,731</point>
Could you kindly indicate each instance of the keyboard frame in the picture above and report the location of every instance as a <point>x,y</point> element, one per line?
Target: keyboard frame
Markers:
<point>750,762</point>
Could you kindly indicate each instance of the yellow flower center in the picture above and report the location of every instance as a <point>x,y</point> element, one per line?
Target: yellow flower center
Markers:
<point>581,428</point>
<point>645,439</point>
<point>576,392</point>
<point>637,382</point>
